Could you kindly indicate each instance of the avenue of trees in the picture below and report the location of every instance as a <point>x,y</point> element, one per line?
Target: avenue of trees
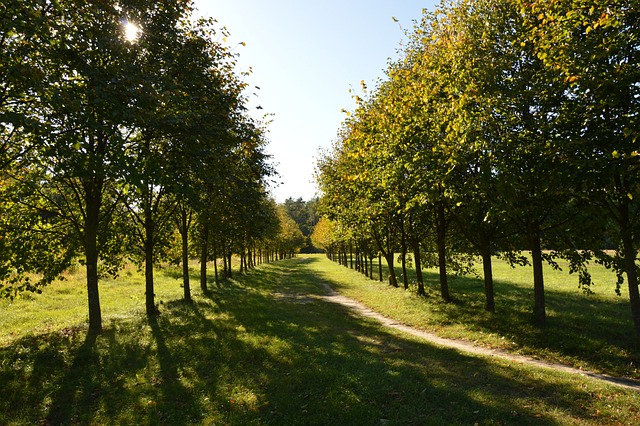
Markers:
<point>121,142</point>
<point>505,125</point>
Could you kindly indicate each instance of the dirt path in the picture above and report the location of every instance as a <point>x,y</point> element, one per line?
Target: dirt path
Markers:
<point>464,346</point>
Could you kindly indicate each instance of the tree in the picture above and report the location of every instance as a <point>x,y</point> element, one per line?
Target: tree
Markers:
<point>305,215</point>
<point>289,239</point>
<point>523,129</point>
<point>80,147</point>
<point>106,122</point>
<point>593,47</point>
<point>323,235</point>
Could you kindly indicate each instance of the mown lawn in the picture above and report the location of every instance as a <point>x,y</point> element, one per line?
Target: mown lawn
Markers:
<point>264,349</point>
<point>592,332</point>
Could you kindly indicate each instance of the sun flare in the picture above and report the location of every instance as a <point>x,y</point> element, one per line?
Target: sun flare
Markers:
<point>131,31</point>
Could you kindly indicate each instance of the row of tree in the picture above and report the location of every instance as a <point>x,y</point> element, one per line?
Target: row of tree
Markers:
<point>121,122</point>
<point>305,214</point>
<point>505,125</point>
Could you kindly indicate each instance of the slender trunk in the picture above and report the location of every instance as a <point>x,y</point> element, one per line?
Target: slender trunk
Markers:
<point>380,266</point>
<point>632,281</point>
<point>441,230</point>
<point>393,280</point>
<point>488,278</point>
<point>418,263</point>
<point>229,262</point>
<point>351,255</point>
<point>215,264</point>
<point>538,276</point>
<point>225,272</point>
<point>184,231</point>
<point>93,203</point>
<point>366,266</point>
<point>403,243</point>
<point>204,256</point>
<point>386,248</point>
<point>630,253</point>
<point>148,262</point>
<point>371,267</point>
<point>403,262</point>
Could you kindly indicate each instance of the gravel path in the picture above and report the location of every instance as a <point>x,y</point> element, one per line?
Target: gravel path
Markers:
<point>464,346</point>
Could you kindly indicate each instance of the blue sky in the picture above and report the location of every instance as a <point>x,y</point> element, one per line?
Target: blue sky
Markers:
<point>305,56</point>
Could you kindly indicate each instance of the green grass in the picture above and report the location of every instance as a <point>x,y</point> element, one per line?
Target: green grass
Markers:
<point>264,349</point>
<point>592,332</point>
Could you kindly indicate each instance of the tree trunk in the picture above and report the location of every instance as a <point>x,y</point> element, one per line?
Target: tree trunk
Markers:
<point>93,203</point>
<point>393,280</point>
<point>441,230</point>
<point>539,311</point>
<point>225,272</point>
<point>204,257</point>
<point>366,266</point>
<point>215,264</point>
<point>184,232</point>
<point>351,255</point>
<point>630,253</point>
<point>380,266</point>
<point>148,262</point>
<point>418,263</point>
<point>371,267</point>
<point>488,280</point>
<point>405,278</point>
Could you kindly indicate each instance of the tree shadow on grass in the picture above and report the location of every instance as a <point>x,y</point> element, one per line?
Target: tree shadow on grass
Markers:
<point>129,374</point>
<point>245,354</point>
<point>595,333</point>
<point>78,386</point>
<point>321,364</point>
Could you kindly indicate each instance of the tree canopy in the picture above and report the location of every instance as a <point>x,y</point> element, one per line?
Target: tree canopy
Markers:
<point>504,126</point>
<point>109,135</point>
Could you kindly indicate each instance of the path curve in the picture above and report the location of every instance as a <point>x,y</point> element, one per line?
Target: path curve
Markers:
<point>465,346</point>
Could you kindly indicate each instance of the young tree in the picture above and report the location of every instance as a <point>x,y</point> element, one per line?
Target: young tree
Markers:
<point>594,48</point>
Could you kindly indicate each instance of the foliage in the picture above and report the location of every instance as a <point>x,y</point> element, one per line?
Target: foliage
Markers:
<point>504,125</point>
<point>105,137</point>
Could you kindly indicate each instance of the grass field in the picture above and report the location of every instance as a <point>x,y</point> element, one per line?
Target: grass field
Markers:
<point>593,332</point>
<point>263,349</point>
